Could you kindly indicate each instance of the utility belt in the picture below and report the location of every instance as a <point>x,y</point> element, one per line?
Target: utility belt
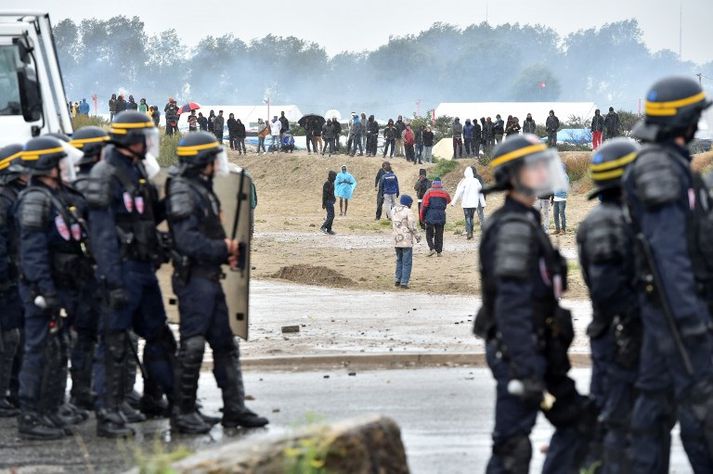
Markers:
<point>144,243</point>
<point>184,269</point>
<point>71,270</point>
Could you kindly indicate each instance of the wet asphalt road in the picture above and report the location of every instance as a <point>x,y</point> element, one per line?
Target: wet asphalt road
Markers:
<point>445,416</point>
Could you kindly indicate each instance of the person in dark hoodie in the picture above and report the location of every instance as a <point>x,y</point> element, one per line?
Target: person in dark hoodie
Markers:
<point>232,125</point>
<point>529,126</point>
<point>120,105</point>
<point>211,121</point>
<point>377,188</point>
<point>240,135</point>
<point>498,129</point>
<point>328,200</point>
<point>132,105</point>
<point>422,185</point>
<point>477,137</point>
<point>433,213</point>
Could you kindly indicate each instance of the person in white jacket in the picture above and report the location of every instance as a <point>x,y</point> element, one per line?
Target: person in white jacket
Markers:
<point>469,191</point>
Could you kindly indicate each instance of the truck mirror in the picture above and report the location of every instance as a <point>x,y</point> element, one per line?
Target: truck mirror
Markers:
<point>30,96</point>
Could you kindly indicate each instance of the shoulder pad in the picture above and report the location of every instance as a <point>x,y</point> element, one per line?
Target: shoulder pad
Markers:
<point>514,249</point>
<point>656,177</point>
<point>34,209</point>
<point>180,202</point>
<point>98,186</point>
<point>602,235</point>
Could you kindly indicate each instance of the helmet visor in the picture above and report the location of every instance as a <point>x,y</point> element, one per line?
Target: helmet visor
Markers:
<point>68,164</point>
<point>221,163</point>
<point>153,141</point>
<point>543,173</point>
<point>151,165</point>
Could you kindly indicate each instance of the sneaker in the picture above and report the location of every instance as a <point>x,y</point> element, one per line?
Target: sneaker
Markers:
<point>439,254</point>
<point>331,232</point>
<point>323,230</point>
<point>431,253</point>
<point>404,287</point>
<point>397,284</point>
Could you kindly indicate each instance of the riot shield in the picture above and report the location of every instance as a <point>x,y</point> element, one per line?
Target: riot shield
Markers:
<point>234,194</point>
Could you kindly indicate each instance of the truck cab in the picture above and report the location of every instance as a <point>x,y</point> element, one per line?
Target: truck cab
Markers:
<point>32,96</point>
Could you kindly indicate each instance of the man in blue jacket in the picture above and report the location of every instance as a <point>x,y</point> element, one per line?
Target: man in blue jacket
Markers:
<point>389,188</point>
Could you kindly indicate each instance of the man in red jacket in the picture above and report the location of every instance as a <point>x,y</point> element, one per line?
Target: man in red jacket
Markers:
<point>409,141</point>
<point>433,213</point>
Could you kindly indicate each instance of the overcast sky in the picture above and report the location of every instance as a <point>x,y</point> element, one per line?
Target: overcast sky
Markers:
<point>338,25</point>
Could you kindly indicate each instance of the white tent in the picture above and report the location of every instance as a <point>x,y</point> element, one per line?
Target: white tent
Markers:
<point>248,114</point>
<point>539,110</point>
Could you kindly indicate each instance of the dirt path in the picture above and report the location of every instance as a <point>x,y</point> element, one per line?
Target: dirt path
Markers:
<point>288,244</point>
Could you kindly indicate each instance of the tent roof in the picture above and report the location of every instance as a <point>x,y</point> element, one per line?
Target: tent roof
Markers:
<point>249,114</point>
<point>539,110</point>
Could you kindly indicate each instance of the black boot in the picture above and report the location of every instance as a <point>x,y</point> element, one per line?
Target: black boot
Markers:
<point>54,382</point>
<point>10,343</point>
<point>131,414</point>
<point>235,413</point>
<point>110,421</point>
<point>31,425</point>
<point>157,352</point>
<point>185,417</point>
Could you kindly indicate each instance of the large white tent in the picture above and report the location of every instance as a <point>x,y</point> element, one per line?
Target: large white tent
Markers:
<point>539,110</point>
<point>248,114</point>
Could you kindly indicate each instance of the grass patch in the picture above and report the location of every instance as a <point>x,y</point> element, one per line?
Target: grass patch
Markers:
<point>442,168</point>
<point>167,152</point>
<point>577,166</point>
<point>84,120</point>
<point>158,459</point>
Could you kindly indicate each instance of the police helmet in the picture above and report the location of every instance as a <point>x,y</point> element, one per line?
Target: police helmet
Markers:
<point>673,108</point>
<point>131,127</point>
<point>526,151</point>
<point>609,163</point>
<point>198,149</point>
<point>90,140</point>
<point>41,155</point>
<point>10,162</point>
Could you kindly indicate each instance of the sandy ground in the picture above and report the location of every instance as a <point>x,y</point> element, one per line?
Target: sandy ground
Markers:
<point>288,244</point>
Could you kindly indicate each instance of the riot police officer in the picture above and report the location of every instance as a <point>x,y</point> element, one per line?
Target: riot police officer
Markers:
<point>52,240</point>
<point>606,254</point>
<point>201,248</point>
<point>90,141</point>
<point>527,333</point>
<point>12,181</point>
<point>670,210</point>
<point>124,212</point>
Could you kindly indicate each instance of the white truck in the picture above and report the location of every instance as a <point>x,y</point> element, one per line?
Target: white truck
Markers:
<point>32,97</point>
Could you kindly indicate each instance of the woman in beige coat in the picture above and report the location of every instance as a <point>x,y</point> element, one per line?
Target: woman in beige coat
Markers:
<point>405,231</point>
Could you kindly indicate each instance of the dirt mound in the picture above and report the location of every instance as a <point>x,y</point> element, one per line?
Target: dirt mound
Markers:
<point>312,275</point>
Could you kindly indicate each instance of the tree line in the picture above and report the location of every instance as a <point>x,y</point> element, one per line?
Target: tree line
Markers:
<point>609,65</point>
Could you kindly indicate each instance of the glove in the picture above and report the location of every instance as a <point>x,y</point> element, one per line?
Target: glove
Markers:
<point>48,303</point>
<point>118,298</point>
<point>530,390</point>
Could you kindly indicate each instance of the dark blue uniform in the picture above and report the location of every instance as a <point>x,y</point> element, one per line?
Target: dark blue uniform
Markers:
<point>606,253</point>
<point>194,217</point>
<point>124,212</point>
<point>11,321</point>
<point>664,206</point>
<point>527,338</point>
<point>53,266</point>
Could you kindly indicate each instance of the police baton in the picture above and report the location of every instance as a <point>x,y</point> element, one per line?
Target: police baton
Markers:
<point>654,278</point>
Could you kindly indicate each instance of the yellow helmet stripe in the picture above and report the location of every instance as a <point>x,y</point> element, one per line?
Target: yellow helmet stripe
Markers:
<point>32,155</point>
<point>119,131</point>
<point>618,163</point>
<point>519,153</point>
<point>608,174</point>
<point>194,149</point>
<point>669,108</point>
<point>5,162</point>
<point>80,142</point>
<point>148,124</point>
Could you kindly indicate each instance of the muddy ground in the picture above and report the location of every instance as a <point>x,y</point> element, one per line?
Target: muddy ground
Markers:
<point>289,246</point>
